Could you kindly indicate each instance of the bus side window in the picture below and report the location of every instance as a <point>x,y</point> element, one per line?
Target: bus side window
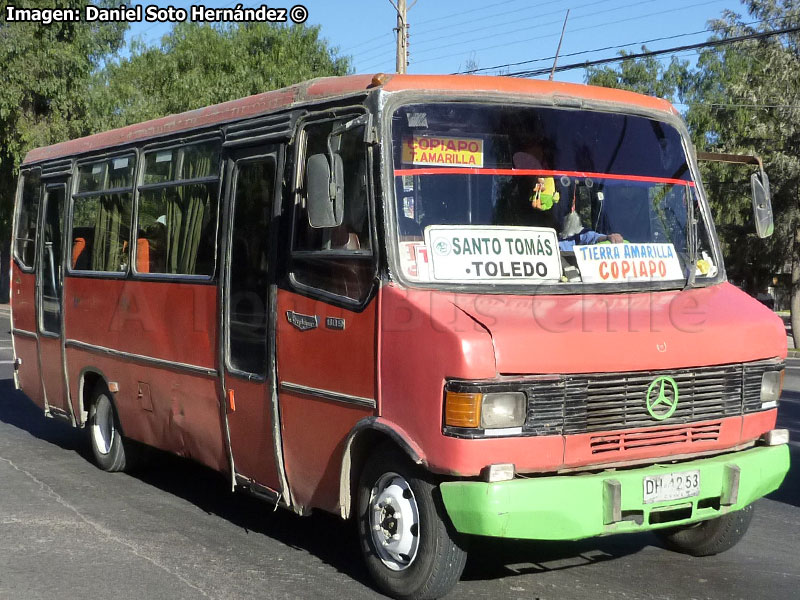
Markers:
<point>27,217</point>
<point>177,215</point>
<point>249,266</point>
<point>336,259</point>
<point>101,215</point>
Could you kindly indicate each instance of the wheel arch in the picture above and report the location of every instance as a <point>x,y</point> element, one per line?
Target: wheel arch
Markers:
<point>367,434</point>
<point>88,379</point>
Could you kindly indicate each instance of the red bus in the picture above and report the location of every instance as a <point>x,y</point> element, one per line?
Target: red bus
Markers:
<point>442,306</point>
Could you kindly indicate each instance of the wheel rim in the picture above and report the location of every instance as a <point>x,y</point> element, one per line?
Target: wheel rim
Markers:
<point>103,430</point>
<point>394,521</point>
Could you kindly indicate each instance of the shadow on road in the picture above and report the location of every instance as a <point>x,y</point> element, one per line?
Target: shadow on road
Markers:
<point>17,410</point>
<point>323,535</point>
<point>789,418</point>
<point>493,559</point>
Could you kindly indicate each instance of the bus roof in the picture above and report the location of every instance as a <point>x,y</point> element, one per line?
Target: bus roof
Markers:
<point>329,88</point>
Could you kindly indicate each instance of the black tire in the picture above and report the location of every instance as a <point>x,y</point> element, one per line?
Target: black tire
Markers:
<point>112,452</point>
<point>435,555</point>
<point>709,537</point>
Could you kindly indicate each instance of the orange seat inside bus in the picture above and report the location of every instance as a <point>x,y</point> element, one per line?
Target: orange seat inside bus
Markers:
<point>80,257</point>
<point>78,246</point>
<point>142,255</point>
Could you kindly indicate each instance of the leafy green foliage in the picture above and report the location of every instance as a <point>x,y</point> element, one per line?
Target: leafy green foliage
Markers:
<point>742,98</point>
<point>46,74</point>
<point>197,65</point>
<point>66,80</point>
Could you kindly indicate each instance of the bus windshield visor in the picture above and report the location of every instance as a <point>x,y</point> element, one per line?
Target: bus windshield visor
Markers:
<point>507,194</point>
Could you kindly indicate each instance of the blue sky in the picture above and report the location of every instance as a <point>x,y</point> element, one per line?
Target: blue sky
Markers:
<point>446,35</point>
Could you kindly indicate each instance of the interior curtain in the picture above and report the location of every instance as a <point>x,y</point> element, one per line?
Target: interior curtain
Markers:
<point>108,235</point>
<point>111,231</point>
<point>186,206</point>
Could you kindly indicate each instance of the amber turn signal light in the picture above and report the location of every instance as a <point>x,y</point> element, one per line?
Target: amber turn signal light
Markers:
<point>462,410</point>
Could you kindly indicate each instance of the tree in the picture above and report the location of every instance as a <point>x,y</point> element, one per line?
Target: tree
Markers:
<point>44,96</point>
<point>742,98</point>
<point>196,65</point>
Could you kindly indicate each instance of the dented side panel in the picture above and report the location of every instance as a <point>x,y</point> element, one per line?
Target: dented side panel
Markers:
<point>157,341</point>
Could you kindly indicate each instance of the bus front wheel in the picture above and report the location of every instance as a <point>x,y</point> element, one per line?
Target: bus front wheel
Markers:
<point>111,451</point>
<point>709,537</point>
<point>409,547</point>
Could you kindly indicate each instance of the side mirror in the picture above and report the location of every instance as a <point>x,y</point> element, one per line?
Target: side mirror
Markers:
<point>762,204</point>
<point>325,191</point>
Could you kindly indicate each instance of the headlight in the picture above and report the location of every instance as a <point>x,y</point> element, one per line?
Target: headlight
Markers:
<point>503,409</point>
<point>497,410</point>
<point>771,386</point>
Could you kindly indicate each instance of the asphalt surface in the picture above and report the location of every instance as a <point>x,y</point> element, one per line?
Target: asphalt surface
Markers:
<point>175,531</point>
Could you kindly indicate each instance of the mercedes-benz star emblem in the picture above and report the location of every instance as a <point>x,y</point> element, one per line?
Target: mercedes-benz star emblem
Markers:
<point>662,397</point>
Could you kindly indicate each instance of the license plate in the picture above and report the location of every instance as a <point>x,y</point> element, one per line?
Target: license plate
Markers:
<point>672,486</point>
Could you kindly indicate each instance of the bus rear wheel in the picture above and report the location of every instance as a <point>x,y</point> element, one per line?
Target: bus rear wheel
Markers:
<point>709,537</point>
<point>111,451</point>
<point>409,547</point>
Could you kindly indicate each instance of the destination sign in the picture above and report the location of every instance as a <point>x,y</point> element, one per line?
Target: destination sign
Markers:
<point>609,263</point>
<point>505,255</point>
<point>442,151</point>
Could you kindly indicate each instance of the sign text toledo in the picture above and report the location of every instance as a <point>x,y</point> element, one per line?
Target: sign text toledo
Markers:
<point>496,254</point>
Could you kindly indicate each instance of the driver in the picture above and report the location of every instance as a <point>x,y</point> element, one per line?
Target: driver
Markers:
<point>544,199</point>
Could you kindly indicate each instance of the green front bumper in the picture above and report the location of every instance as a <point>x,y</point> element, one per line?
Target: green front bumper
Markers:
<point>570,507</point>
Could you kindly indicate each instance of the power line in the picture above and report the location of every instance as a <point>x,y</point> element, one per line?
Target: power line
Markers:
<point>370,40</point>
<point>384,54</point>
<point>498,15</point>
<point>383,50</point>
<point>539,38</point>
<point>618,47</point>
<point>707,44</point>
<point>539,25</point>
<point>518,22</point>
<point>439,28</point>
<point>491,6</point>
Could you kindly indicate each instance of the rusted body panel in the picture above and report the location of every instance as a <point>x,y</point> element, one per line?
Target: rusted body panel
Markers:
<point>181,416</point>
<point>525,87</point>
<point>341,361</point>
<point>252,433</point>
<point>23,292</point>
<point>28,374</point>
<point>26,347</point>
<point>52,363</point>
<point>325,88</point>
<point>171,322</point>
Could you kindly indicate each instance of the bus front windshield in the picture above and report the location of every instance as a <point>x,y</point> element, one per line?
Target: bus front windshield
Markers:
<point>507,194</point>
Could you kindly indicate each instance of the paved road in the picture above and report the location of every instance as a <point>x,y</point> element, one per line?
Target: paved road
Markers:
<point>174,531</point>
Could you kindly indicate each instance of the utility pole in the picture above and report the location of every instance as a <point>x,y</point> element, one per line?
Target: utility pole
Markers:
<point>402,33</point>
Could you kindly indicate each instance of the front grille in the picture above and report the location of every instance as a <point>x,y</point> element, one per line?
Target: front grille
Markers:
<point>655,436</point>
<point>607,401</point>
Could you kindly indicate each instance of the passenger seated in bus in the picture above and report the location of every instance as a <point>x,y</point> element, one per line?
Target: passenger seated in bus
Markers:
<point>156,235</point>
